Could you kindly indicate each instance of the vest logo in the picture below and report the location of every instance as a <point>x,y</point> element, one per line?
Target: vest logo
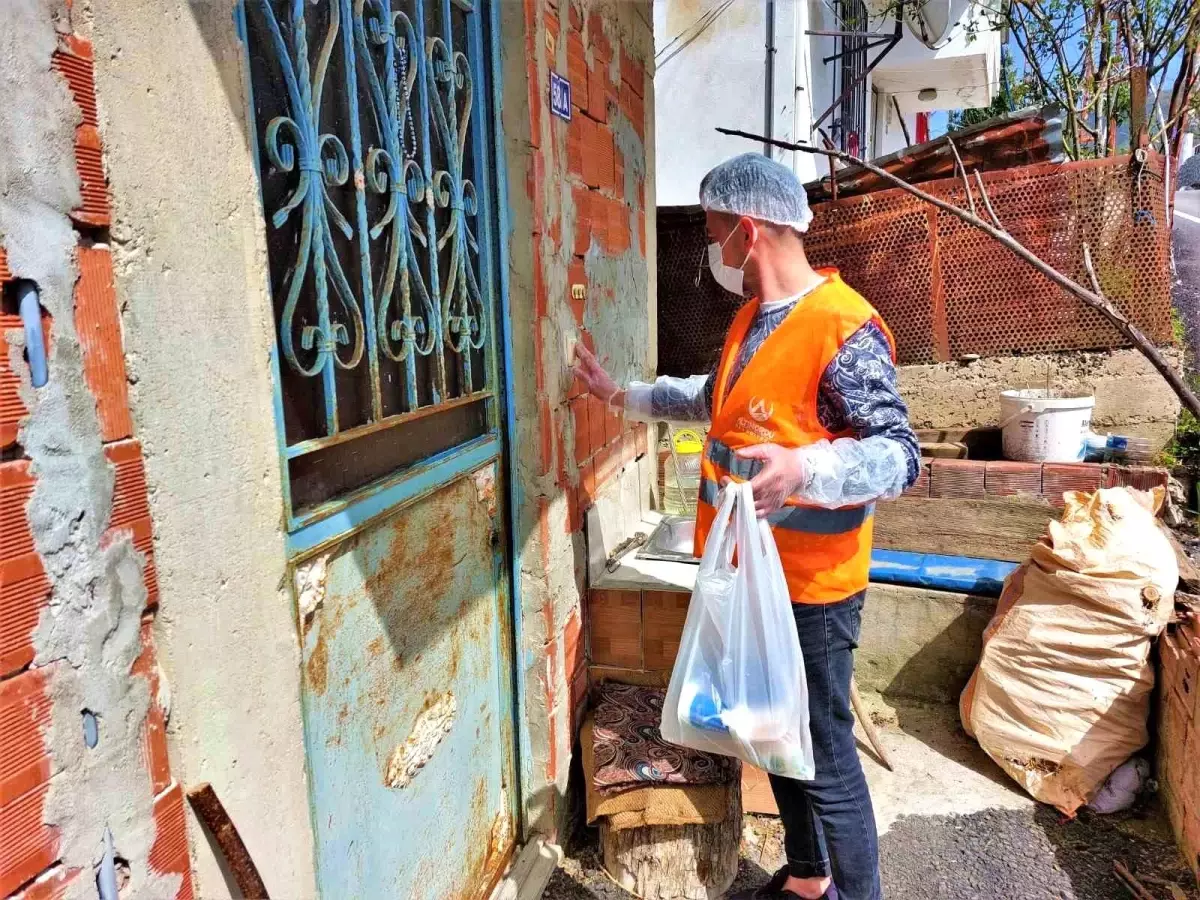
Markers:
<point>761,410</point>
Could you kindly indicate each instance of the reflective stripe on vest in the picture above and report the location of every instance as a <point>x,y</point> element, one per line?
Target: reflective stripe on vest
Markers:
<point>811,519</point>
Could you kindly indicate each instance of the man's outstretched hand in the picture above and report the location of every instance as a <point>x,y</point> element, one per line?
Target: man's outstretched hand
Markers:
<point>599,382</point>
<point>782,476</point>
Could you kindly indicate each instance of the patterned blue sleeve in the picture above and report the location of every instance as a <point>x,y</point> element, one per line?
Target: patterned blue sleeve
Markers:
<point>858,393</point>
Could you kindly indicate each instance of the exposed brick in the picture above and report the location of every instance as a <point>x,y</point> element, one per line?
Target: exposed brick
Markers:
<point>1059,478</point>
<point>920,487</point>
<point>131,508</point>
<point>577,70</point>
<point>5,272</point>
<point>597,153</point>
<point>575,510</point>
<point>575,131</point>
<point>642,231</point>
<point>24,589</point>
<point>169,852</point>
<point>615,628</point>
<point>583,219</point>
<point>608,464</point>
<point>598,40</point>
<point>1005,479</point>
<point>619,237</point>
<point>575,15</point>
<point>633,73</point>
<point>663,614</point>
<point>597,418</point>
<point>50,885</point>
<point>98,324</point>
<point>74,60</point>
<point>154,730</point>
<point>959,478</point>
<point>29,845</point>
<point>641,439</point>
<point>614,424</point>
<point>587,485</point>
<point>1144,478</point>
<point>573,650</point>
<point>598,92</point>
<point>12,408</point>
<point>599,222</point>
<point>583,436</point>
<point>633,107</point>
<point>94,209</point>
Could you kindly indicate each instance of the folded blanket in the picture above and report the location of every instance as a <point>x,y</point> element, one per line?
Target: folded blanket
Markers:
<point>629,752</point>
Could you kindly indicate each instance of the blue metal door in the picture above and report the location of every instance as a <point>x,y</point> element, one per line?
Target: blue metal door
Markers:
<point>376,153</point>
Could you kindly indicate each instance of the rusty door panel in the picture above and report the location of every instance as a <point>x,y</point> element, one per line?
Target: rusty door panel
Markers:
<point>408,731</point>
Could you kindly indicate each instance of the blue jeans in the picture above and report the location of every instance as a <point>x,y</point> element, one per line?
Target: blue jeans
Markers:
<point>828,822</point>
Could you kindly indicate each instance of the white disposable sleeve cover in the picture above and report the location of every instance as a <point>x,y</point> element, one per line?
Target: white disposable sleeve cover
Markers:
<point>667,399</point>
<point>849,472</point>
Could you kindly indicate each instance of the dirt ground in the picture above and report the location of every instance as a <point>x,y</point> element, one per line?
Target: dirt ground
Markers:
<point>952,826</point>
<point>998,854</point>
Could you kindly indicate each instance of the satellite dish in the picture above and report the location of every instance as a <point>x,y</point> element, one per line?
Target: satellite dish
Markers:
<point>929,21</point>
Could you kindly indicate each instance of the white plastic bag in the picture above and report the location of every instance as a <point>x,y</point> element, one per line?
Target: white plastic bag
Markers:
<point>738,685</point>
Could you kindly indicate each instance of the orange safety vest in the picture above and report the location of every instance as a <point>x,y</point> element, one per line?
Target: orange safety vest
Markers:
<point>826,553</point>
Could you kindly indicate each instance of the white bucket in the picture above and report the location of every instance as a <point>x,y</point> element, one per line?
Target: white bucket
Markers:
<point>1039,426</point>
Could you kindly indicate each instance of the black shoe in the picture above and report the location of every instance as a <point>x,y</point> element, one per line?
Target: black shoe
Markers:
<point>773,890</point>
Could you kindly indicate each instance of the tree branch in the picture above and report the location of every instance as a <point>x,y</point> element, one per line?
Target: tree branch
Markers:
<point>962,172</point>
<point>1093,298</point>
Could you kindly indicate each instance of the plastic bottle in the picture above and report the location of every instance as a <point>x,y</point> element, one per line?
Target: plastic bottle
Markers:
<point>1116,448</point>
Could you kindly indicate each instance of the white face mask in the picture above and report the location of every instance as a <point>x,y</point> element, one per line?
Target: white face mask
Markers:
<point>726,276</point>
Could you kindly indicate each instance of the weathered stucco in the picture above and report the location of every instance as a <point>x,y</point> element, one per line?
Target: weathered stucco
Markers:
<point>191,280</point>
<point>1131,398</point>
<point>90,634</point>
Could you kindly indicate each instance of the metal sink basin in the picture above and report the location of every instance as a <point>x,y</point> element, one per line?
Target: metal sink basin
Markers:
<point>671,540</point>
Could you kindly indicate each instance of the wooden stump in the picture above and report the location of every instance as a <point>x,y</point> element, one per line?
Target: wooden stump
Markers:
<point>676,862</point>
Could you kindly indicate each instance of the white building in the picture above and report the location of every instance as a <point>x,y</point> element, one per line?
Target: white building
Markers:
<point>792,69</point>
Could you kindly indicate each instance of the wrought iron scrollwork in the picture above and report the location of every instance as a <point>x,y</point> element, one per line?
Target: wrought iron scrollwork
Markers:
<point>293,141</point>
<point>408,105</point>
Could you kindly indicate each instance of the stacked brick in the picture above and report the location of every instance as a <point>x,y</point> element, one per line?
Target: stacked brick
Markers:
<point>1179,732</point>
<point>30,866</point>
<point>966,479</point>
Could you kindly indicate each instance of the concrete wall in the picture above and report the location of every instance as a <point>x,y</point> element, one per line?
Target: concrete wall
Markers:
<point>191,278</point>
<point>918,644</point>
<point>580,267</point>
<point>1131,397</point>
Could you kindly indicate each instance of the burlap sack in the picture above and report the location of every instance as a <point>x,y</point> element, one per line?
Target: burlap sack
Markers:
<point>1061,694</point>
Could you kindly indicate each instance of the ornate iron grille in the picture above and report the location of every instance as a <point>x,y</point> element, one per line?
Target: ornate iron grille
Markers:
<point>370,161</point>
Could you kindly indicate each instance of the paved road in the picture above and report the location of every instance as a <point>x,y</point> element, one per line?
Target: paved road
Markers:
<point>1185,238</point>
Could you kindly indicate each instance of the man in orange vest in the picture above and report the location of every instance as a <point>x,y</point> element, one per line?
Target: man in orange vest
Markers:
<point>803,404</point>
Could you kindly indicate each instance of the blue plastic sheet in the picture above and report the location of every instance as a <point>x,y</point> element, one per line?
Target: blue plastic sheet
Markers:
<point>947,573</point>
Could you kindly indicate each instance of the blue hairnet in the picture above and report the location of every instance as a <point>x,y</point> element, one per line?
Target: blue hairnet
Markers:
<point>755,185</point>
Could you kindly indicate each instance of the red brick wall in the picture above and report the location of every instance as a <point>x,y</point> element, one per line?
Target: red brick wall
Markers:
<point>588,210</point>
<point>30,866</point>
<point>1179,734</point>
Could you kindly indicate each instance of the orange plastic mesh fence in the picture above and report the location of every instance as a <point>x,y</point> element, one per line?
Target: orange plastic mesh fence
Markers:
<point>948,290</point>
